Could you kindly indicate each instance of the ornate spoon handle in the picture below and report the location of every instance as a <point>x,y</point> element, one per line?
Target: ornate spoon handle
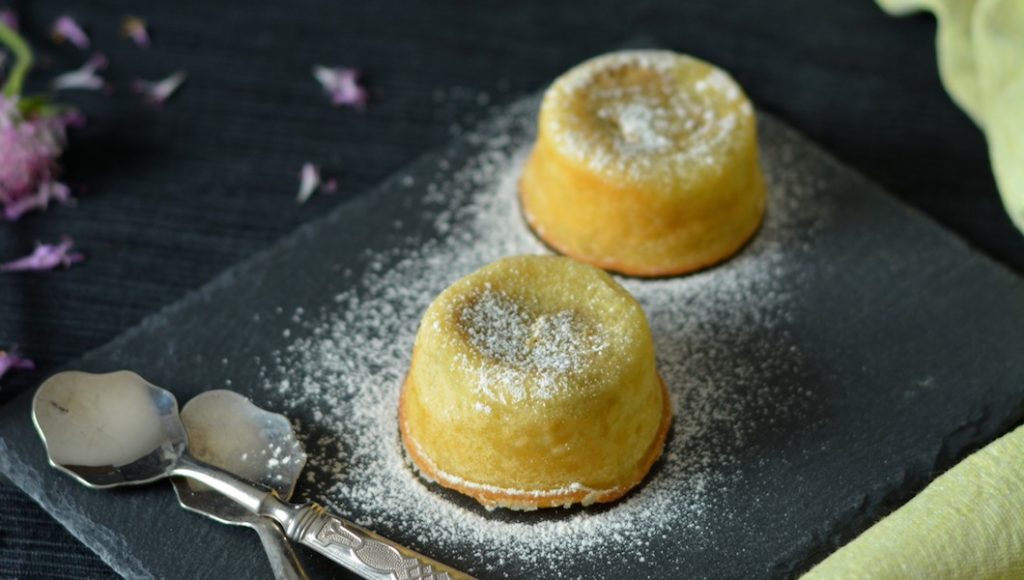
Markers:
<point>363,551</point>
<point>359,550</point>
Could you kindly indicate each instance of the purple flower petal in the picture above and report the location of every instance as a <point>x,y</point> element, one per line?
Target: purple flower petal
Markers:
<point>47,192</point>
<point>9,18</point>
<point>309,181</point>
<point>135,28</point>
<point>84,77</point>
<point>343,86</point>
<point>9,360</point>
<point>45,257</point>
<point>156,92</point>
<point>65,28</point>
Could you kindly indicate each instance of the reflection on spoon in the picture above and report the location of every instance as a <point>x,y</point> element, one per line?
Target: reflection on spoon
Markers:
<point>226,430</point>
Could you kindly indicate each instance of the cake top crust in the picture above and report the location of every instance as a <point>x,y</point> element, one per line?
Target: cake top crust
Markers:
<point>534,329</point>
<point>525,343</point>
<point>644,115</point>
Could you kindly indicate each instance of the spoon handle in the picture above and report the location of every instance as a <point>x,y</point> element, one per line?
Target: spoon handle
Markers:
<point>363,551</point>
<point>283,561</point>
<point>359,550</point>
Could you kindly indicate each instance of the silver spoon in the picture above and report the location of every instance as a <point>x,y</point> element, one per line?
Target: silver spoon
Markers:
<point>227,431</point>
<point>117,429</point>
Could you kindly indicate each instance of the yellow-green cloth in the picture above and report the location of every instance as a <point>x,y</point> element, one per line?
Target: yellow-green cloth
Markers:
<point>969,523</point>
<point>981,61</point>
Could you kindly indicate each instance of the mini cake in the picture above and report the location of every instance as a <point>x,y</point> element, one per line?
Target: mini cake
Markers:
<point>533,385</point>
<point>645,163</point>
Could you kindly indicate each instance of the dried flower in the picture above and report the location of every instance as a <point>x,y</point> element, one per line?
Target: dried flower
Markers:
<point>9,360</point>
<point>9,18</point>
<point>32,137</point>
<point>134,28</point>
<point>343,86</point>
<point>65,28</point>
<point>29,149</point>
<point>45,257</point>
<point>84,77</point>
<point>156,92</point>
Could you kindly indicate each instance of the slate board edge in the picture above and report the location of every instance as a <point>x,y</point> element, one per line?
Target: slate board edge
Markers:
<point>86,530</point>
<point>986,426</point>
<point>817,543</point>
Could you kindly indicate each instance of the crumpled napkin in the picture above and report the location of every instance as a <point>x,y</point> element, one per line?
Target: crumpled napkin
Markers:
<point>981,62</point>
<point>969,523</point>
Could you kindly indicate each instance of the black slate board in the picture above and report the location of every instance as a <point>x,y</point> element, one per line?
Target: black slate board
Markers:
<point>912,344</point>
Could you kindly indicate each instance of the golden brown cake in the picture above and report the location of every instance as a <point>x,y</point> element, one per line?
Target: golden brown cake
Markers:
<point>533,385</point>
<point>645,163</point>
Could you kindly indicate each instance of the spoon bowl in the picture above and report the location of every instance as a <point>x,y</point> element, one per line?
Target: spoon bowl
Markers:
<point>227,431</point>
<point>109,429</point>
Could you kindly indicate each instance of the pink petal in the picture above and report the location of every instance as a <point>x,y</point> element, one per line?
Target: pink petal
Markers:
<point>9,360</point>
<point>45,257</point>
<point>156,92</point>
<point>309,180</point>
<point>342,85</point>
<point>47,192</point>
<point>135,29</point>
<point>84,77</point>
<point>65,28</point>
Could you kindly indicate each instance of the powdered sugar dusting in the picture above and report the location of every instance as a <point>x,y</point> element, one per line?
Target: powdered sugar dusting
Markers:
<point>344,369</point>
<point>628,115</point>
<point>543,352</point>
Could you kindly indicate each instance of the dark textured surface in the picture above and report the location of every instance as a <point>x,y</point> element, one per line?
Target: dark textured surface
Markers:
<point>32,545</point>
<point>174,196</point>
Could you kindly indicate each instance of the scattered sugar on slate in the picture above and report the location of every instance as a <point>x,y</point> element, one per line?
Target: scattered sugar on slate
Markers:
<point>344,370</point>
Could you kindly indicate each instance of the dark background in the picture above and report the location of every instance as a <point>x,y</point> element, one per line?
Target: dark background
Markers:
<point>168,198</point>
